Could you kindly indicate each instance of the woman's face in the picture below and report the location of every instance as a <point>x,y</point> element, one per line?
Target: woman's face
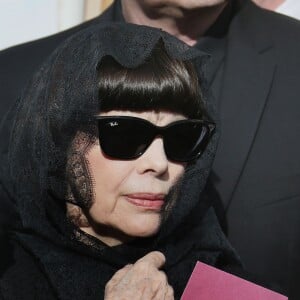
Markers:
<point>129,194</point>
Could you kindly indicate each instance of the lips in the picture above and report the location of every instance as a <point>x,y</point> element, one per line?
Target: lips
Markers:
<point>146,200</point>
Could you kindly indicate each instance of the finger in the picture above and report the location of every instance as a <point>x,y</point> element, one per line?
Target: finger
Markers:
<point>169,294</point>
<point>118,276</point>
<point>165,292</point>
<point>154,288</point>
<point>155,258</point>
<point>161,290</point>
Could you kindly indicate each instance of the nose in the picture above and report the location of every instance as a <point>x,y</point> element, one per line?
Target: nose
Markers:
<point>154,159</point>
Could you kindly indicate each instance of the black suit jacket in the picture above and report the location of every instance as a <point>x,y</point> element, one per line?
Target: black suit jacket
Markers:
<point>257,167</point>
<point>257,162</point>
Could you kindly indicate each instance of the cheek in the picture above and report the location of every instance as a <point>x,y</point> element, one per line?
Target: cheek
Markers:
<point>176,170</point>
<point>105,170</point>
<point>107,175</point>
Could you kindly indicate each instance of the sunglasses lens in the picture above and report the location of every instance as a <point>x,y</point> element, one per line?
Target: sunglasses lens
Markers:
<point>123,138</point>
<point>186,141</point>
<point>129,137</point>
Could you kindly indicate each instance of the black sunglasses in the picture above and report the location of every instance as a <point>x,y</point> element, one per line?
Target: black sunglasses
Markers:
<point>124,137</point>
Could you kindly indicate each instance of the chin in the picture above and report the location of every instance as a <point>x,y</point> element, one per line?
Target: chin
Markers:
<point>144,228</point>
<point>146,233</point>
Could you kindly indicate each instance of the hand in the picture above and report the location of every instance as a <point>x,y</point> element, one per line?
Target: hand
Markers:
<point>142,280</point>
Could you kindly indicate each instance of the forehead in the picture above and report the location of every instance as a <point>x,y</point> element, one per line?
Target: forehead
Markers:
<point>159,118</point>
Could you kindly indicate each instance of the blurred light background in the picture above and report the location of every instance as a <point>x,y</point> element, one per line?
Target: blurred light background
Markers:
<point>26,20</point>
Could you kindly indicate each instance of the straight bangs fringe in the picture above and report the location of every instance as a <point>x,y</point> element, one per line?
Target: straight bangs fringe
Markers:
<point>162,83</point>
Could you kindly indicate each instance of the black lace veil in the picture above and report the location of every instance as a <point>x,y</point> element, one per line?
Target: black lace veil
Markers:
<point>54,126</point>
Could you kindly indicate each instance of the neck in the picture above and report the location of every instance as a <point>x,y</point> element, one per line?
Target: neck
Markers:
<point>186,24</point>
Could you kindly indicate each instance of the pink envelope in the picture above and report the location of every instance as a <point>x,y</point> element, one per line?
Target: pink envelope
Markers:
<point>209,283</point>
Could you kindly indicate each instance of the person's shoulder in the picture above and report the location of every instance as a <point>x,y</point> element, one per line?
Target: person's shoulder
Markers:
<point>282,23</point>
<point>283,32</point>
<point>265,29</point>
<point>20,275</point>
<point>273,21</point>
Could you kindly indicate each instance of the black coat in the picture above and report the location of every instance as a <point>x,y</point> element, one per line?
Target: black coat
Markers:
<point>257,166</point>
<point>23,279</point>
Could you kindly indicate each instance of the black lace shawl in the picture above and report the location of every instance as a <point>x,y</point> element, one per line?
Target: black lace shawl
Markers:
<point>60,100</point>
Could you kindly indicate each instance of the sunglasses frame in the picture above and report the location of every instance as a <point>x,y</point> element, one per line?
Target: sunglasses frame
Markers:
<point>159,131</point>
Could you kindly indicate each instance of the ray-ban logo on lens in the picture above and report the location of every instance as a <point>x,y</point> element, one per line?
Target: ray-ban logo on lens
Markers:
<point>112,124</point>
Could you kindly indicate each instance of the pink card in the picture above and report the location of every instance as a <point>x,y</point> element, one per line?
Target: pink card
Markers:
<point>209,283</point>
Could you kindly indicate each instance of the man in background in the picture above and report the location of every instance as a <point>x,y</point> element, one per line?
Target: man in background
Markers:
<point>253,74</point>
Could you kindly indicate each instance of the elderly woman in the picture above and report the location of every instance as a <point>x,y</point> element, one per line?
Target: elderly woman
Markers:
<point>109,154</point>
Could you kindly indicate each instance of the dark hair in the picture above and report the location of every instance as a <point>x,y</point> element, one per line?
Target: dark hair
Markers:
<point>161,83</point>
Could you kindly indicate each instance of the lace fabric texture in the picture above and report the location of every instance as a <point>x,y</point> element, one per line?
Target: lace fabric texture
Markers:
<point>53,129</point>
